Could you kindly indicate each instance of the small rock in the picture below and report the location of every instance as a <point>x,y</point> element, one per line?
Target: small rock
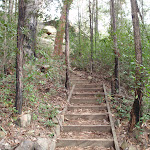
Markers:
<point>24,120</point>
<point>26,145</point>
<point>55,120</point>
<point>132,148</point>
<point>2,134</point>
<point>7,146</point>
<point>31,132</point>
<point>42,144</point>
<point>117,123</point>
<point>90,78</point>
<point>124,145</point>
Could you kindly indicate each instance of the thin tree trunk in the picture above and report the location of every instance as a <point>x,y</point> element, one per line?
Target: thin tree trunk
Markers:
<point>96,26</point>
<point>5,37</point>
<point>19,57</point>
<point>114,35</point>
<point>16,9</point>
<point>11,6</point>
<point>61,30</point>
<point>79,26</point>
<point>136,111</point>
<point>91,34</point>
<point>67,47</point>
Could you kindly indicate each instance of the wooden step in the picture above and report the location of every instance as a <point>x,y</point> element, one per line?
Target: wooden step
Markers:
<point>93,108</point>
<point>79,128</point>
<point>88,90</point>
<point>85,142</point>
<point>95,94</point>
<point>80,81</point>
<point>84,101</point>
<point>88,86</point>
<point>87,116</point>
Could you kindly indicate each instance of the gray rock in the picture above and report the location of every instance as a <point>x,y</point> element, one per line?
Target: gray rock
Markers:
<point>26,145</point>
<point>42,144</point>
<point>124,145</point>
<point>2,134</point>
<point>90,78</point>
<point>24,120</point>
<point>132,147</point>
<point>7,146</point>
<point>117,123</point>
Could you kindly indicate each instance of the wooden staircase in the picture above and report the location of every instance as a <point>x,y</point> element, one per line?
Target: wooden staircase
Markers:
<point>87,122</point>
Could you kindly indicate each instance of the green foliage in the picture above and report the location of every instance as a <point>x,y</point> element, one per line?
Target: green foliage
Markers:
<point>122,106</point>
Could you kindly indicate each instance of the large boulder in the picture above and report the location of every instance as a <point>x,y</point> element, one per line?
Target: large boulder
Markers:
<point>42,144</point>
<point>50,30</point>
<point>26,145</point>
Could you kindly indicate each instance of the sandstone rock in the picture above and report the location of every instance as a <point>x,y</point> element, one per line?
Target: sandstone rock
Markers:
<point>90,78</point>
<point>24,120</point>
<point>26,145</point>
<point>55,120</point>
<point>50,30</point>
<point>4,146</point>
<point>2,134</point>
<point>124,145</point>
<point>132,147</point>
<point>117,123</point>
<point>42,144</point>
<point>7,146</point>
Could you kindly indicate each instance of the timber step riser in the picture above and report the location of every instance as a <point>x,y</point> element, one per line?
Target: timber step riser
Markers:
<point>85,101</point>
<point>87,116</point>
<point>88,86</point>
<point>98,95</point>
<point>79,128</point>
<point>94,108</point>
<point>85,143</point>
<point>88,90</point>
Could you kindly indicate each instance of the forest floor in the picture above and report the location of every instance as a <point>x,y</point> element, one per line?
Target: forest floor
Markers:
<point>50,101</point>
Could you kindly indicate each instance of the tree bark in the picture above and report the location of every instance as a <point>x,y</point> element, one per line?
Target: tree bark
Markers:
<point>5,36</point>
<point>67,48</point>
<point>11,6</point>
<point>136,111</point>
<point>114,35</point>
<point>61,30</point>
<point>96,26</point>
<point>19,57</point>
<point>31,25</point>
<point>91,32</point>
<point>79,27</point>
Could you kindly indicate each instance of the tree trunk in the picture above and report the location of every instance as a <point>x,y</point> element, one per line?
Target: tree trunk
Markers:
<point>61,30</point>
<point>114,36</point>
<point>11,6</point>
<point>31,25</point>
<point>5,36</point>
<point>136,112</point>
<point>96,26</point>
<point>79,26</point>
<point>91,33</point>
<point>67,48</point>
<point>19,57</point>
